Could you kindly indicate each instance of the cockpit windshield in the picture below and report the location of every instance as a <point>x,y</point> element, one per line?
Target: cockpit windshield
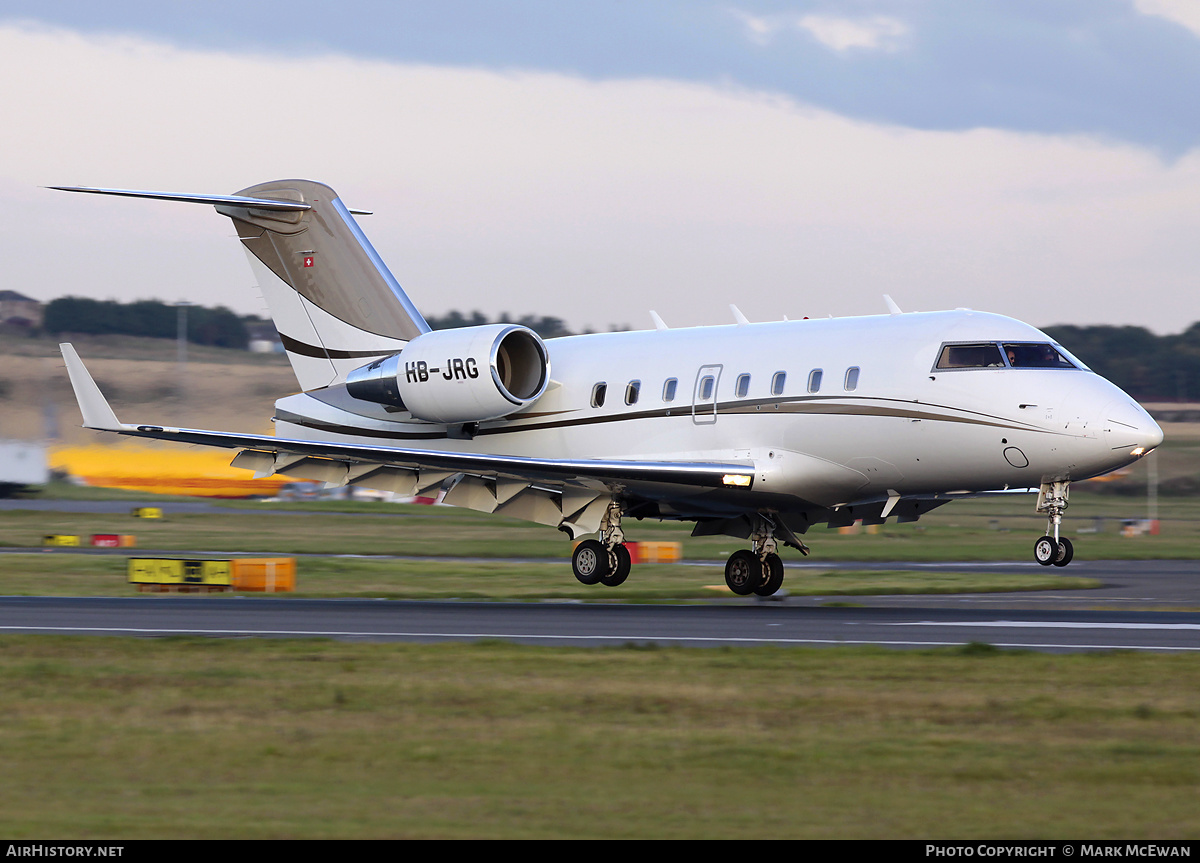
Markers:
<point>1022,355</point>
<point>984,356</point>
<point>993,355</point>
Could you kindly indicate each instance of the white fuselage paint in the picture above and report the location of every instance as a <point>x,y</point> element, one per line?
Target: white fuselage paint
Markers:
<point>906,428</point>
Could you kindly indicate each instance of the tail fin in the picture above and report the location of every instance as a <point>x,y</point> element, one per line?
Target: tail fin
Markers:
<point>334,302</point>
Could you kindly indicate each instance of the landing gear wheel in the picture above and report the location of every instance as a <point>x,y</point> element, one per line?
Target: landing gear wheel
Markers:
<point>1045,550</point>
<point>620,568</point>
<point>772,576</point>
<point>589,562</point>
<point>1065,550</point>
<point>743,572</point>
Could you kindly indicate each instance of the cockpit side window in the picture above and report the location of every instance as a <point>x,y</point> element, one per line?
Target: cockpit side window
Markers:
<point>1025,355</point>
<point>972,356</point>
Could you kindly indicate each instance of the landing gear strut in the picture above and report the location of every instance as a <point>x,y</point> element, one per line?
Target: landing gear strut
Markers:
<point>606,561</point>
<point>1053,549</point>
<point>759,570</point>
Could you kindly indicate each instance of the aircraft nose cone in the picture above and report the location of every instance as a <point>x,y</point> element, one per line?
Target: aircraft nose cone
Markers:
<point>1130,428</point>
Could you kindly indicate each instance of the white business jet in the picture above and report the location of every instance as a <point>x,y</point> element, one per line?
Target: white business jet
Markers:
<point>752,430</point>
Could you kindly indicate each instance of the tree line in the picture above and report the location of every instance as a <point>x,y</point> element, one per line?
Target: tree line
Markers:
<point>1148,367</point>
<point>219,327</point>
<point>545,326</point>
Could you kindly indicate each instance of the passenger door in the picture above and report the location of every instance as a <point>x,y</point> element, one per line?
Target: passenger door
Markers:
<point>704,395</point>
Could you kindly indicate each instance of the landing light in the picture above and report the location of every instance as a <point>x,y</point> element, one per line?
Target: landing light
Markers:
<point>737,479</point>
<point>1138,450</point>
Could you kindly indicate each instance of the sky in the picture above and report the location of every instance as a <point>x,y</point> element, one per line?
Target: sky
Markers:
<point>596,160</point>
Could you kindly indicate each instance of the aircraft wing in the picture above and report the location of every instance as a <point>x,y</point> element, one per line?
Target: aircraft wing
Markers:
<point>575,487</point>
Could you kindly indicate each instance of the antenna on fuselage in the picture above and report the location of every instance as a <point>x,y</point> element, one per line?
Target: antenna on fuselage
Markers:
<point>738,316</point>
<point>891,304</point>
<point>659,323</point>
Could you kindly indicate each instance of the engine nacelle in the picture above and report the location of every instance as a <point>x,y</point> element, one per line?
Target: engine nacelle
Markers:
<point>459,376</point>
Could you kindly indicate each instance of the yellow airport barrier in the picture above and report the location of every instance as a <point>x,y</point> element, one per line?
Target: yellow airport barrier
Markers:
<point>59,539</point>
<point>163,571</point>
<point>253,574</point>
<point>147,512</point>
<point>264,574</point>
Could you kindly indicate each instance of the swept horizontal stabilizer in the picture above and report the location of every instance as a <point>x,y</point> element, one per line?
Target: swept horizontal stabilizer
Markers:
<point>236,200</point>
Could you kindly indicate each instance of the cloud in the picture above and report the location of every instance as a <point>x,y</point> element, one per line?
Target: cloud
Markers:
<point>593,201</point>
<point>878,32</point>
<point>839,34</point>
<point>1186,13</point>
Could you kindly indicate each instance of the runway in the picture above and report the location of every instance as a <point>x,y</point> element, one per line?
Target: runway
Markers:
<point>1118,616</point>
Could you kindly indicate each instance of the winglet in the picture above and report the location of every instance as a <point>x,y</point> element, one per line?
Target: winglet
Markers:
<point>95,409</point>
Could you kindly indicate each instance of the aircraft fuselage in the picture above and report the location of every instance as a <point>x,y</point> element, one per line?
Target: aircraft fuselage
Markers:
<point>882,418</point>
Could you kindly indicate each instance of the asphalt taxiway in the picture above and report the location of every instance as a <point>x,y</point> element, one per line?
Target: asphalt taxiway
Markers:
<point>1143,605</point>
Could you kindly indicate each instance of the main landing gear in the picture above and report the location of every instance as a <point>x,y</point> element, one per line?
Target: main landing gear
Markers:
<point>606,561</point>
<point>758,570</point>
<point>1053,549</point>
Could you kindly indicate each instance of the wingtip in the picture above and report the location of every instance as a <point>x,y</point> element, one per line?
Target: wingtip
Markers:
<point>97,413</point>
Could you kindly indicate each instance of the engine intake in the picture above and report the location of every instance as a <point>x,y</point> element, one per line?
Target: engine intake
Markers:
<point>458,376</point>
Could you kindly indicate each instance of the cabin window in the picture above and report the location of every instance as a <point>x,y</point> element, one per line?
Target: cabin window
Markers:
<point>669,389</point>
<point>777,382</point>
<point>851,378</point>
<point>814,380</point>
<point>598,393</point>
<point>706,387</point>
<point>1035,356</point>
<point>985,356</point>
<point>743,386</point>
<point>631,392</point>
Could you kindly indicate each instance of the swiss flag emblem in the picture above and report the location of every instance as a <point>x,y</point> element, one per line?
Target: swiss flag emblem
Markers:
<point>308,260</point>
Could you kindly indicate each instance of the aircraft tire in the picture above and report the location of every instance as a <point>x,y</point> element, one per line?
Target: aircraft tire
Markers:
<point>772,576</point>
<point>743,572</point>
<point>589,562</point>
<point>1066,552</point>
<point>1045,550</point>
<point>620,569</point>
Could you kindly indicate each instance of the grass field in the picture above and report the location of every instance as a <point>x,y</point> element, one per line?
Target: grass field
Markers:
<point>529,581</point>
<point>206,738</point>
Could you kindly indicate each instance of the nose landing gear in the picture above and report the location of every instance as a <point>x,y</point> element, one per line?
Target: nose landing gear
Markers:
<point>1053,549</point>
